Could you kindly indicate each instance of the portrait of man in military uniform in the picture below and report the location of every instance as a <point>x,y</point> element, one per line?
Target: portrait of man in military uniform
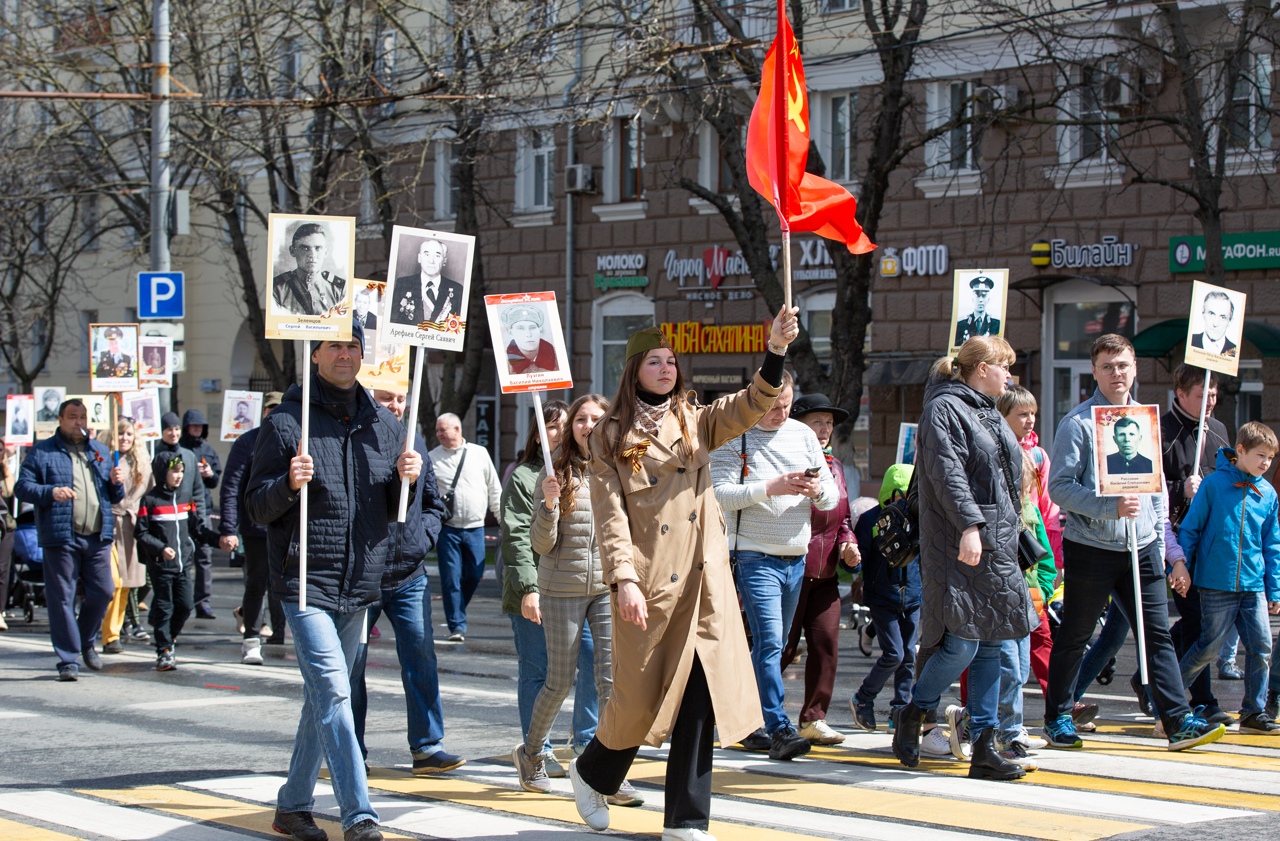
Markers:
<point>50,400</point>
<point>527,351</point>
<point>114,363</point>
<point>980,321</point>
<point>309,288</point>
<point>428,294</point>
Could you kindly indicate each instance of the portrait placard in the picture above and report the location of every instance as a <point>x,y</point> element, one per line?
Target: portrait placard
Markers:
<point>906,452</point>
<point>142,407</point>
<point>98,408</point>
<point>19,419</point>
<point>113,357</point>
<point>385,366</point>
<point>978,301</point>
<point>310,266</point>
<point>1214,328</point>
<point>157,361</point>
<point>427,305</point>
<point>1126,444</point>
<point>241,411</point>
<point>50,397</point>
<point>528,343</point>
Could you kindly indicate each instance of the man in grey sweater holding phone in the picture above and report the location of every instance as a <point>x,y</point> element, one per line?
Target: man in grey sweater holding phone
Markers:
<point>768,482</point>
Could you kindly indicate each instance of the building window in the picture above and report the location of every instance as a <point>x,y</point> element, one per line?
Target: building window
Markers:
<point>543,15</point>
<point>290,67</point>
<point>87,317</point>
<point>839,143</point>
<point>368,205</point>
<point>40,230</point>
<point>89,223</point>
<point>446,179</point>
<point>630,159</point>
<point>830,7</point>
<point>535,170</point>
<point>1249,128</point>
<point>615,318</point>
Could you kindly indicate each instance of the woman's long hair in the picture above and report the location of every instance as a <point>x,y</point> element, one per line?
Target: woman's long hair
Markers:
<point>570,463</point>
<point>551,412</point>
<point>992,350</point>
<point>135,455</point>
<point>623,409</point>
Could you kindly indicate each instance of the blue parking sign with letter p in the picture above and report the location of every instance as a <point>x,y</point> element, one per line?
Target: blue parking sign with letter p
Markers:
<point>160,295</point>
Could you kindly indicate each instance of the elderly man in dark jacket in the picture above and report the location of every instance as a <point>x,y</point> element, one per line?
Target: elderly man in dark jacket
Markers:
<point>195,432</point>
<point>406,599</point>
<point>354,464</point>
<point>69,479</point>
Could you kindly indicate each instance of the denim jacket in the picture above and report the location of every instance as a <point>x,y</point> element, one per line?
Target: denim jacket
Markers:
<point>1073,482</point>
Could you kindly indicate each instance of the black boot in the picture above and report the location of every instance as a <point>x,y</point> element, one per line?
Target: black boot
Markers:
<point>986,763</point>
<point>906,734</point>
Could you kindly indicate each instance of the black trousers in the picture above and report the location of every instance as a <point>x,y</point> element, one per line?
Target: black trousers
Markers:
<point>688,786</point>
<point>171,604</point>
<point>203,593</point>
<point>1091,577</point>
<point>255,586</point>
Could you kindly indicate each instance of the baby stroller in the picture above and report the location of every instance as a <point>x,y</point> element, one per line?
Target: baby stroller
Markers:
<point>27,590</point>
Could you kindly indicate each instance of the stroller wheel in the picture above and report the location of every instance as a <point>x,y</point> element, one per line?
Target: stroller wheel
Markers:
<point>29,608</point>
<point>1108,673</point>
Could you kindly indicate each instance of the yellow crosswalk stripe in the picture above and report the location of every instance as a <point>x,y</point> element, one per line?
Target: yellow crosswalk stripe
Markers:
<point>919,808</point>
<point>1143,731</point>
<point>198,806</point>
<point>14,831</point>
<point>550,807</point>
<point>1196,756</point>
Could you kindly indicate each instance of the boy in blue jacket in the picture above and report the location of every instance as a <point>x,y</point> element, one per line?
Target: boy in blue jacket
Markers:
<point>1232,540</point>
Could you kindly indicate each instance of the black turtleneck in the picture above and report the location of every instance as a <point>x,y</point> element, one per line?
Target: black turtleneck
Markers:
<point>651,398</point>
<point>345,397</point>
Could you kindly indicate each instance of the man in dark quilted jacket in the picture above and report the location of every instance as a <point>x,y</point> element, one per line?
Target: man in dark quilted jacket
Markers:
<point>354,466</point>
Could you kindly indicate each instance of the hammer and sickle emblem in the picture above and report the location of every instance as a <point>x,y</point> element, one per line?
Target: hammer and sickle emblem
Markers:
<point>795,100</point>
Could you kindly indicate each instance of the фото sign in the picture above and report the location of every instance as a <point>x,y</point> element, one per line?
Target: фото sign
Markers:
<point>1253,250</point>
<point>922,260</point>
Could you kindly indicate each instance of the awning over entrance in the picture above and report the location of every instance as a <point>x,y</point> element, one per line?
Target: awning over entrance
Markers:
<point>1159,340</point>
<point>1040,282</point>
<point>897,372</point>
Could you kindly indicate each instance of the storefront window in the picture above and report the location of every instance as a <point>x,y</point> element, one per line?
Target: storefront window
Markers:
<point>616,318</point>
<point>1077,325</point>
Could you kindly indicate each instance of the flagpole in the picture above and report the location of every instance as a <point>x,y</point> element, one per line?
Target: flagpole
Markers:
<point>786,269</point>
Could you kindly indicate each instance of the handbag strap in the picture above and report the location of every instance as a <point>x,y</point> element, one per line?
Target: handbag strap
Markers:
<point>458,473</point>
<point>1010,485</point>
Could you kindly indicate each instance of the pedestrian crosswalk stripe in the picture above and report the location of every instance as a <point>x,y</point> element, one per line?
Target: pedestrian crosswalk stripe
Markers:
<point>83,813</point>
<point>16,714</point>
<point>14,831</point>
<point>1195,756</point>
<point>222,699</point>
<point>1232,739</point>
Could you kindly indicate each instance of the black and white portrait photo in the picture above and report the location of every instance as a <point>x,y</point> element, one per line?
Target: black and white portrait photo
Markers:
<point>429,280</point>
<point>51,398</point>
<point>978,304</point>
<point>1215,326</point>
<point>311,265</point>
<point>427,293</point>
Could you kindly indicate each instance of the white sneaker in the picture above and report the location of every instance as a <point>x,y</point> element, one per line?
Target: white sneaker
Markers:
<point>1030,742</point>
<point>592,805</point>
<point>818,733</point>
<point>251,652</point>
<point>935,743</point>
<point>626,796</point>
<point>672,833</point>
<point>956,725</point>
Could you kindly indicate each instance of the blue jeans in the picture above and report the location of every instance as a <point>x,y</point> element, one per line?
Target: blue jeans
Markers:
<point>770,588</point>
<point>1247,613</point>
<point>944,668</point>
<point>460,555</point>
<point>326,643</point>
<point>531,674</point>
<point>86,560</point>
<point>1227,653</point>
<point>897,634</point>
<point>1015,668</point>
<point>409,610</point>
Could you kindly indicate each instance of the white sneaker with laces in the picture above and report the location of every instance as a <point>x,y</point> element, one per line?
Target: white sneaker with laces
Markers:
<point>1030,742</point>
<point>251,652</point>
<point>626,796</point>
<point>819,733</point>
<point>673,833</point>
<point>592,805</point>
<point>936,743</point>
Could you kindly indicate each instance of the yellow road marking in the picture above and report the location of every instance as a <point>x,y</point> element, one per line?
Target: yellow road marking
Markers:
<point>1144,731</point>
<point>199,806</point>
<point>919,808</point>
<point>14,831</point>
<point>1199,756</point>
<point>549,806</point>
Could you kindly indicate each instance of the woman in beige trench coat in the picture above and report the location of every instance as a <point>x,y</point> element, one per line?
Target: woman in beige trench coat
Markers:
<point>128,570</point>
<point>680,659</point>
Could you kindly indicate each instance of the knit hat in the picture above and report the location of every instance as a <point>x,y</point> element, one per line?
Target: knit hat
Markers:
<point>643,341</point>
<point>169,420</point>
<point>357,331</point>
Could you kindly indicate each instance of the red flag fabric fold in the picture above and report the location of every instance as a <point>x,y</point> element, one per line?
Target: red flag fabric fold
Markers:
<point>778,152</point>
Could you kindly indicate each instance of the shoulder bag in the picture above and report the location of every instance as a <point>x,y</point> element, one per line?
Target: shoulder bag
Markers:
<point>448,499</point>
<point>1030,550</point>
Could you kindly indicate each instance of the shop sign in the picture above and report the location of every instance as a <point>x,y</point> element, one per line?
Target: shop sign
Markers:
<point>815,261</point>
<point>1109,252</point>
<point>703,279</point>
<point>620,271</point>
<point>719,378</point>
<point>922,260</point>
<point>1253,250</point>
<point>696,337</point>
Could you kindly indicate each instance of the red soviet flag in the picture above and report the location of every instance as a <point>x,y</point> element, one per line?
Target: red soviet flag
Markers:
<point>778,150</point>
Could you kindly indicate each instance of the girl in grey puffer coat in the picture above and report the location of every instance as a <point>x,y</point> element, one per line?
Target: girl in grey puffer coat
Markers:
<point>974,595</point>
<point>571,590</point>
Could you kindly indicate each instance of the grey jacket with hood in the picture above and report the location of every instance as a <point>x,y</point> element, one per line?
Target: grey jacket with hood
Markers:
<point>962,484</point>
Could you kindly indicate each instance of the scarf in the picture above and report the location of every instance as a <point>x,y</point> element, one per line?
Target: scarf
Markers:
<point>649,416</point>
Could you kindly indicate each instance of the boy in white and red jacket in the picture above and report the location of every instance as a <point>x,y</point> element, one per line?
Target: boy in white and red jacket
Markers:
<point>167,531</point>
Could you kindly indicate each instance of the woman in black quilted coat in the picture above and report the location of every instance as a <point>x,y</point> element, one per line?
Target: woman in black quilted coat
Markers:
<point>974,592</point>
